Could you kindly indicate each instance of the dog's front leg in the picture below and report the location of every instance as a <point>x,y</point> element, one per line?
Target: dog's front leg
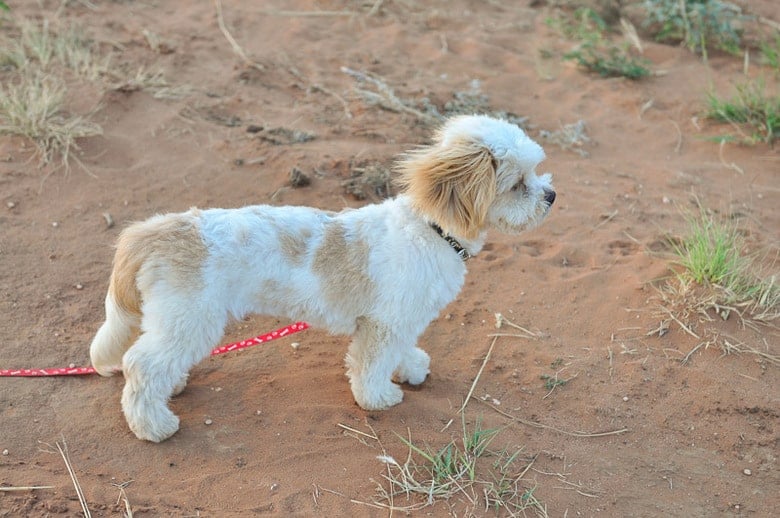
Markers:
<point>373,356</point>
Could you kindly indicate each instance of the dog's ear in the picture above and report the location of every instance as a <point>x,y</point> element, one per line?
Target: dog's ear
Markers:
<point>453,184</point>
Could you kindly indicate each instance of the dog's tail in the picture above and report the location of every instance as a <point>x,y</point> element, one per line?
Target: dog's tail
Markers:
<point>123,302</point>
<point>113,338</point>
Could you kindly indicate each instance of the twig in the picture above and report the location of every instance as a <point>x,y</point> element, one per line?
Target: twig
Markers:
<point>609,217</point>
<point>236,47</point>
<point>375,8</point>
<point>476,378</point>
<point>685,328</point>
<point>309,13</point>
<point>678,147</point>
<point>384,97</point>
<point>347,113</point>
<point>534,424</point>
<point>688,356</point>
<point>123,496</point>
<point>732,165</point>
<point>364,434</point>
<point>501,320</point>
<point>23,488</point>
<point>64,453</point>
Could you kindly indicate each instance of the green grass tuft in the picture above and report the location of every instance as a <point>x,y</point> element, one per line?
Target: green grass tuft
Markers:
<point>595,52</point>
<point>612,62</point>
<point>770,52</point>
<point>459,468</point>
<point>712,256</point>
<point>698,24</point>
<point>751,107</point>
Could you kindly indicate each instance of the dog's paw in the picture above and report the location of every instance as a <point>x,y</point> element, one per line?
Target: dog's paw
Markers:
<point>107,370</point>
<point>148,416</point>
<point>180,386</point>
<point>155,430</point>
<point>378,398</point>
<point>414,367</point>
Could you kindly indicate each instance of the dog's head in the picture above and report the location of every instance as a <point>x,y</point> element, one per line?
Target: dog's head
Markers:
<point>478,173</point>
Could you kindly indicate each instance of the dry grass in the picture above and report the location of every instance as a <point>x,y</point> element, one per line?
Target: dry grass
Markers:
<point>467,469</point>
<point>570,137</point>
<point>42,59</point>
<point>153,82</point>
<point>375,91</point>
<point>33,107</point>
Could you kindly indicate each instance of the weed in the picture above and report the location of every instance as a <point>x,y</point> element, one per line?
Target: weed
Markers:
<point>458,468</point>
<point>153,82</point>
<point>33,108</point>
<point>571,137</point>
<point>595,52</point>
<point>611,62</point>
<point>711,256</point>
<point>698,24</point>
<point>551,382</point>
<point>751,107</point>
<point>770,52</point>
<point>41,45</point>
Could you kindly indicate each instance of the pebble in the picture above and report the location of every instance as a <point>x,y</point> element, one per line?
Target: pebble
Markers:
<point>79,286</point>
<point>5,452</point>
<point>10,205</point>
<point>109,220</point>
<point>208,421</point>
<point>747,472</point>
<point>295,345</point>
<point>55,224</point>
<point>625,398</point>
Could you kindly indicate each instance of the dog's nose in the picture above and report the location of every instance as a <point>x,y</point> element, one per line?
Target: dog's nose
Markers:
<point>549,196</point>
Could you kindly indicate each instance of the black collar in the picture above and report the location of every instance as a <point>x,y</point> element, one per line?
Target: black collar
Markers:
<point>462,252</point>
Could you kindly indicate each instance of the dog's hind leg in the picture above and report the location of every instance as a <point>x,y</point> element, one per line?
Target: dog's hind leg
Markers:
<point>156,367</point>
<point>112,339</point>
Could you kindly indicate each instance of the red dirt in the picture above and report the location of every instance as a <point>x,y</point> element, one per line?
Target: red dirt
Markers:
<point>582,280</point>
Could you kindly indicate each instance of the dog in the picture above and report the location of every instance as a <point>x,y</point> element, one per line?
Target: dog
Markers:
<point>380,273</point>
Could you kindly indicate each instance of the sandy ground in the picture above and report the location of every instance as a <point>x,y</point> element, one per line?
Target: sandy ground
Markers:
<point>699,439</point>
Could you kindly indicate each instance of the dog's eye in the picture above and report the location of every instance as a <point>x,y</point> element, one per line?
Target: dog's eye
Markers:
<point>519,186</point>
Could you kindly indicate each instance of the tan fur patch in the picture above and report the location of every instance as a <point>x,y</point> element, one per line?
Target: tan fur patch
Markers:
<point>453,185</point>
<point>343,270</point>
<point>294,246</point>
<point>171,241</point>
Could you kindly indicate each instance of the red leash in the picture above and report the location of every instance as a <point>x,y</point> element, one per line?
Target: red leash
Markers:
<point>79,371</point>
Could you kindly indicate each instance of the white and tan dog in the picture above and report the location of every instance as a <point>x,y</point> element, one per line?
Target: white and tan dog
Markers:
<point>380,273</point>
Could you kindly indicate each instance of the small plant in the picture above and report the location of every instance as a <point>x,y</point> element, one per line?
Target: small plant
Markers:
<point>711,256</point>
<point>770,52</point>
<point>698,24</point>
<point>595,52</point>
<point>751,107</point>
<point>33,108</point>
<point>612,62</point>
<point>552,382</point>
<point>458,468</point>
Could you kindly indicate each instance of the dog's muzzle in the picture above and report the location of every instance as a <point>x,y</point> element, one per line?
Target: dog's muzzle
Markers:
<point>549,196</point>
